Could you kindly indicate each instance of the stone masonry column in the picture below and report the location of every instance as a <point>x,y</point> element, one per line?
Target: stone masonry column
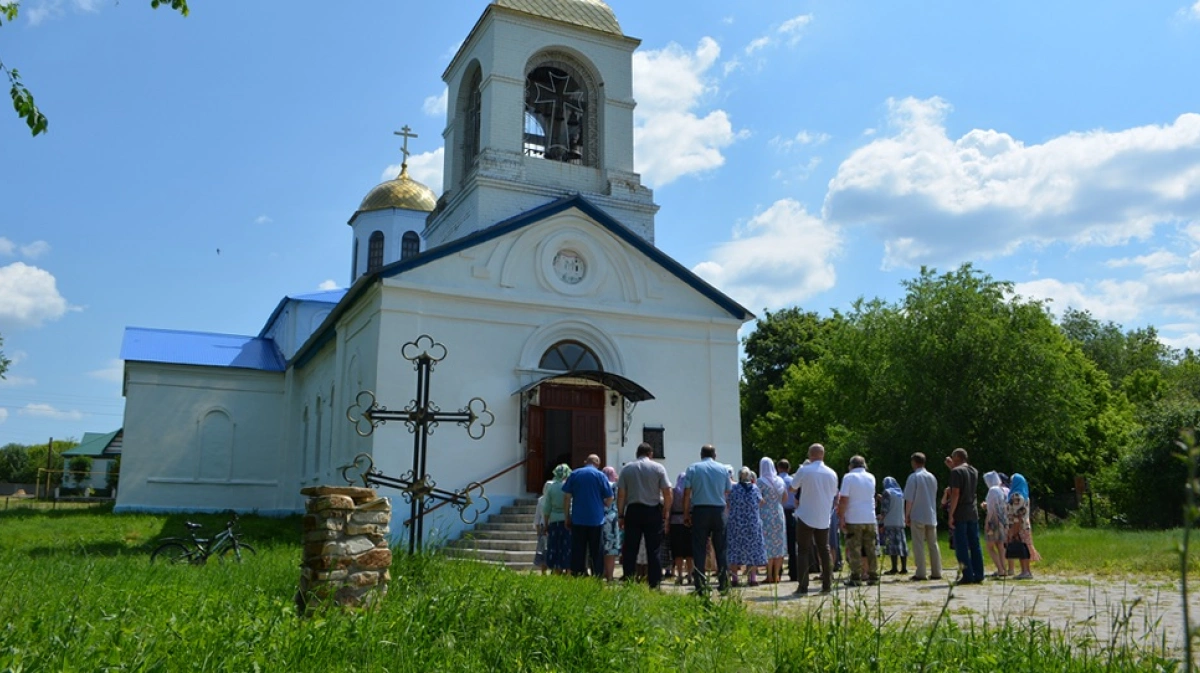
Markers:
<point>346,554</point>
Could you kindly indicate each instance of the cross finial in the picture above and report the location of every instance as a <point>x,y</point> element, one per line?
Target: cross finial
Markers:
<point>405,133</point>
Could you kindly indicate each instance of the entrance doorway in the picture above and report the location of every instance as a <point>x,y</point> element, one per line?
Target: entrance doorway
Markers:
<point>566,427</point>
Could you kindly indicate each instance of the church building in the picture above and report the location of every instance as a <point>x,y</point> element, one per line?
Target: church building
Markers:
<point>536,269</point>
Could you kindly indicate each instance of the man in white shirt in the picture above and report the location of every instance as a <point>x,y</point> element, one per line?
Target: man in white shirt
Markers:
<point>816,485</point>
<point>856,510</point>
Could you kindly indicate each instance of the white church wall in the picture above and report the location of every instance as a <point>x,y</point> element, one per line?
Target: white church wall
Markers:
<point>200,439</point>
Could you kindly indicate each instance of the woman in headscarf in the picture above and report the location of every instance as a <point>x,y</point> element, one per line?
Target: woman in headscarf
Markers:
<point>611,530</point>
<point>558,538</point>
<point>995,525</point>
<point>771,485</point>
<point>891,513</point>
<point>680,535</point>
<point>1020,533</point>
<point>744,529</point>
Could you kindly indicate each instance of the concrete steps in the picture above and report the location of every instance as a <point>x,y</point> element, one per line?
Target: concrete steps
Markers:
<point>507,538</point>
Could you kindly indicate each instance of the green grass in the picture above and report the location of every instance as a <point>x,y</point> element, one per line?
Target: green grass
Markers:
<point>1096,551</point>
<point>78,593</point>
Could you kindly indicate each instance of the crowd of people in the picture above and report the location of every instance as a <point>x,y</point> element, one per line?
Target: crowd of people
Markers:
<point>735,524</point>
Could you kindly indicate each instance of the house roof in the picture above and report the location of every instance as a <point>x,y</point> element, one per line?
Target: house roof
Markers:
<point>325,332</point>
<point>201,348</point>
<point>97,444</point>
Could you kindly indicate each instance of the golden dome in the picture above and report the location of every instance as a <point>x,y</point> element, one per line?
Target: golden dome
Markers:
<point>592,14</point>
<point>402,192</point>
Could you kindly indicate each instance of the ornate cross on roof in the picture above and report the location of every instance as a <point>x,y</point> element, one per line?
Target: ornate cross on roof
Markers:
<point>405,133</point>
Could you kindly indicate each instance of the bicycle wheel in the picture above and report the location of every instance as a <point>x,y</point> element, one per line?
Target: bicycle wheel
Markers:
<point>241,551</point>
<point>172,552</point>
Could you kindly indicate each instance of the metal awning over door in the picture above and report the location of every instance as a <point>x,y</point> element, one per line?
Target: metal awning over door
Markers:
<point>627,388</point>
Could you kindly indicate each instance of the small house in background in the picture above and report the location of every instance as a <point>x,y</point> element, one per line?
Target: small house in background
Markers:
<point>103,448</point>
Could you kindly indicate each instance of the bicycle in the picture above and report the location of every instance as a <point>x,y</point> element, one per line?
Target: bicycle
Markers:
<point>197,550</point>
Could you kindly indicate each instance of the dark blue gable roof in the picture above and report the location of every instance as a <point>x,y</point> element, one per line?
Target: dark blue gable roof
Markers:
<point>325,333</point>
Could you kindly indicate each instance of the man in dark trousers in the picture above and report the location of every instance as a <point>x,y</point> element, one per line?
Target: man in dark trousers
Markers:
<point>643,510</point>
<point>964,518</point>
<point>705,487</point>
<point>586,494</point>
<point>784,468</point>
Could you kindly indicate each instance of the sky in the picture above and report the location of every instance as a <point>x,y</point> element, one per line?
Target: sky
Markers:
<point>804,153</point>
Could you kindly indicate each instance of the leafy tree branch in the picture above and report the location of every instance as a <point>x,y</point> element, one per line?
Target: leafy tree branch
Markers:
<point>22,99</point>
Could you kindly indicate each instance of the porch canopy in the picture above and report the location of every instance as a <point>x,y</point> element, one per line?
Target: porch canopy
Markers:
<point>628,389</point>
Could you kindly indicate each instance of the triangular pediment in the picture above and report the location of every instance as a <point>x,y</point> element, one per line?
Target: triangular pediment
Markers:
<point>569,247</point>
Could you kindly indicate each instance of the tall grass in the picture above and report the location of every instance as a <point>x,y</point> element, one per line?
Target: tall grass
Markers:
<point>89,600</point>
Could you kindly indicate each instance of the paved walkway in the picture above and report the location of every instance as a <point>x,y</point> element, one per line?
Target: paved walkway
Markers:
<point>1104,611</point>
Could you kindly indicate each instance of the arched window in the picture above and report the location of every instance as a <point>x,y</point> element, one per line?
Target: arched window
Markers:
<point>472,117</point>
<point>410,245</point>
<point>216,446</point>
<point>560,121</point>
<point>375,252</point>
<point>570,356</point>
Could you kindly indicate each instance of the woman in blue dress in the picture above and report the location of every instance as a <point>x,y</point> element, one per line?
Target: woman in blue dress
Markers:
<point>744,529</point>
<point>611,533</point>
<point>774,531</point>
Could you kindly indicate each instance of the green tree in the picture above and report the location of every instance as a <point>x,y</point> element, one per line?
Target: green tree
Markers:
<point>1117,353</point>
<point>779,340</point>
<point>959,361</point>
<point>80,469</point>
<point>22,99</point>
<point>4,362</point>
<point>14,463</point>
<point>113,476</point>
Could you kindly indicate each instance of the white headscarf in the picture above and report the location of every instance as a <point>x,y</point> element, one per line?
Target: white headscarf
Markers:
<point>766,471</point>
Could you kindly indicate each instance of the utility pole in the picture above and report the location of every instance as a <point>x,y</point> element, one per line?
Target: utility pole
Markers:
<point>49,464</point>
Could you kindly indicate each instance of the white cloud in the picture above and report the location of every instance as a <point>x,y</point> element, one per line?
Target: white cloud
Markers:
<point>938,200</point>
<point>47,411</point>
<point>7,247</point>
<point>758,44</point>
<point>801,139</point>
<point>1107,300</point>
<point>113,371</point>
<point>670,139</point>
<point>1192,12</point>
<point>426,168</point>
<point>38,11</point>
<point>798,173</point>
<point>793,28</point>
<point>3,414</point>
<point>263,219</point>
<point>779,258</point>
<point>330,284</point>
<point>35,249</point>
<point>10,380</point>
<point>1160,259</point>
<point>435,106</point>
<point>29,296</point>
<point>789,32</point>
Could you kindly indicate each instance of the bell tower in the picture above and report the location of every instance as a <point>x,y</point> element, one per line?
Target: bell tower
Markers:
<point>540,107</point>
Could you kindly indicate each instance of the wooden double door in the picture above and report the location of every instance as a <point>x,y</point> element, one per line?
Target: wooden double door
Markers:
<point>565,427</point>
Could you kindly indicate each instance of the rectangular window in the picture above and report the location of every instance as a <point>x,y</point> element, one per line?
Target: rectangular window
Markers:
<point>653,435</point>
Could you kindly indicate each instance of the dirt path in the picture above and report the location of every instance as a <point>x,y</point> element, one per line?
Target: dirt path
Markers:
<point>1104,611</point>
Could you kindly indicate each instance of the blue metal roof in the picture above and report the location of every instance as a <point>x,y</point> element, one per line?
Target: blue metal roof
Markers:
<point>323,297</point>
<point>201,348</point>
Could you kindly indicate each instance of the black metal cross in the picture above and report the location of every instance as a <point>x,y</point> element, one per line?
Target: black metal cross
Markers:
<point>421,417</point>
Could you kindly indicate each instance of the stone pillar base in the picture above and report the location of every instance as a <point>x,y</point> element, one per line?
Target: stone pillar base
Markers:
<point>346,554</point>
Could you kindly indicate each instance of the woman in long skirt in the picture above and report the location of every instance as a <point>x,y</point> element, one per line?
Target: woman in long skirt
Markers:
<point>771,485</point>
<point>558,538</point>
<point>744,529</point>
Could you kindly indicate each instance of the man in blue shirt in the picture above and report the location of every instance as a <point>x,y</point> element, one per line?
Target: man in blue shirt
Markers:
<point>586,494</point>
<point>705,485</point>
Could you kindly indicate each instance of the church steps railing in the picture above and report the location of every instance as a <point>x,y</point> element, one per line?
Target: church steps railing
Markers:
<point>501,473</point>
